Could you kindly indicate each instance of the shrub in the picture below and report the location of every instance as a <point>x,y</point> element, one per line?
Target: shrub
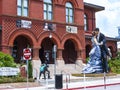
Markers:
<point>6,60</point>
<point>14,79</point>
<point>114,64</point>
<point>30,69</point>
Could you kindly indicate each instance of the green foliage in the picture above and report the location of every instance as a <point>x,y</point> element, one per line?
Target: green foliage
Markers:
<point>87,59</point>
<point>118,55</point>
<point>6,60</point>
<point>14,79</point>
<point>30,69</point>
<point>93,74</point>
<point>114,64</point>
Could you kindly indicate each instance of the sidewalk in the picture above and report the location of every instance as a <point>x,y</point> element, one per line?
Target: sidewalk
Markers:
<point>74,83</point>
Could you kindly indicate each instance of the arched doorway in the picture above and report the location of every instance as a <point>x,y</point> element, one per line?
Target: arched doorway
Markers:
<point>88,48</point>
<point>19,44</point>
<point>46,51</point>
<point>69,53</point>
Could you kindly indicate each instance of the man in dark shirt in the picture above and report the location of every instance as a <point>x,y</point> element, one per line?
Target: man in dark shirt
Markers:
<point>104,49</point>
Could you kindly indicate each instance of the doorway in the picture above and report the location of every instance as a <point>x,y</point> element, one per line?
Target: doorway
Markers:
<point>69,52</point>
<point>46,51</point>
<point>19,44</point>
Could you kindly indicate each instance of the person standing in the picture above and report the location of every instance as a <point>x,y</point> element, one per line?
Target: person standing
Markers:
<point>104,49</point>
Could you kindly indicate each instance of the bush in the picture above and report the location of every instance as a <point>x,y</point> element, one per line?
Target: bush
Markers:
<point>14,79</point>
<point>114,65</point>
<point>6,60</point>
<point>30,69</point>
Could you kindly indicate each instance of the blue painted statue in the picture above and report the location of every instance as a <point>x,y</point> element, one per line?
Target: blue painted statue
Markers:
<point>94,64</point>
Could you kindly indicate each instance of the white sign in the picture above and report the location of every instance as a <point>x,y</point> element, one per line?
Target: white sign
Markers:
<point>71,29</point>
<point>9,71</point>
<point>26,24</point>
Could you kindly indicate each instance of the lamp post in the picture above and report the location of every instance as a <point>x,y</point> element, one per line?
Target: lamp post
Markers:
<point>55,50</point>
<point>50,35</point>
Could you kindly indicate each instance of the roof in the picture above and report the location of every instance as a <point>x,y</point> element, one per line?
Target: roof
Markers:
<point>113,39</point>
<point>107,38</point>
<point>94,7</point>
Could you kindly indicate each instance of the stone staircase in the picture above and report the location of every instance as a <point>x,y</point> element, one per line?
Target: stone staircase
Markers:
<point>61,68</point>
<point>65,69</point>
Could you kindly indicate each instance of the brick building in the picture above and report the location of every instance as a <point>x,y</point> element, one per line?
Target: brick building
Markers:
<point>41,24</point>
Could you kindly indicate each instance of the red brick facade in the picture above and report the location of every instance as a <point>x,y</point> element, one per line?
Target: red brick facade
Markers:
<point>36,34</point>
<point>37,38</point>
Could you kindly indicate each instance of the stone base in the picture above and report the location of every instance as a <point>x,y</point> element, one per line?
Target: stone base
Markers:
<point>79,65</point>
<point>63,68</point>
<point>60,62</point>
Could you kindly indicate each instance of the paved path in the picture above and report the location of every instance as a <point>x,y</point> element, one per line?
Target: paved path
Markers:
<point>78,83</point>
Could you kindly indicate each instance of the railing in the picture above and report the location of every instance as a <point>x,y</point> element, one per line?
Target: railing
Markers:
<point>67,79</point>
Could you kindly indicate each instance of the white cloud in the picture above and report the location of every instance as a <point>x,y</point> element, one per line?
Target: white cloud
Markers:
<point>114,1</point>
<point>108,20</point>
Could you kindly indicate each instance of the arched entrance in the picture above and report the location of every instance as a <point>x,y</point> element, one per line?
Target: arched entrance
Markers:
<point>46,51</point>
<point>88,48</point>
<point>19,44</point>
<point>69,53</point>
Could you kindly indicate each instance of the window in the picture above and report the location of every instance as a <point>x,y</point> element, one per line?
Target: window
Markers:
<point>85,22</point>
<point>22,7</point>
<point>69,13</point>
<point>48,14</point>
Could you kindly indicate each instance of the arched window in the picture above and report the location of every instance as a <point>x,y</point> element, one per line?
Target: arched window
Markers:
<point>85,22</point>
<point>69,13</point>
<point>48,13</point>
<point>22,7</point>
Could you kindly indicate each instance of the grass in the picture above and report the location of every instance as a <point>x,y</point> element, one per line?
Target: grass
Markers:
<point>94,75</point>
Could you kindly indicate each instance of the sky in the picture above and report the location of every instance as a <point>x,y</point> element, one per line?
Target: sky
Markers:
<point>107,20</point>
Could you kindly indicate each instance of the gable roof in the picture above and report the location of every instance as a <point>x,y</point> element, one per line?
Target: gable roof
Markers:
<point>94,7</point>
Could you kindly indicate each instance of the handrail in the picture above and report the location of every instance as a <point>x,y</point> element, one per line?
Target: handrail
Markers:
<point>67,78</point>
